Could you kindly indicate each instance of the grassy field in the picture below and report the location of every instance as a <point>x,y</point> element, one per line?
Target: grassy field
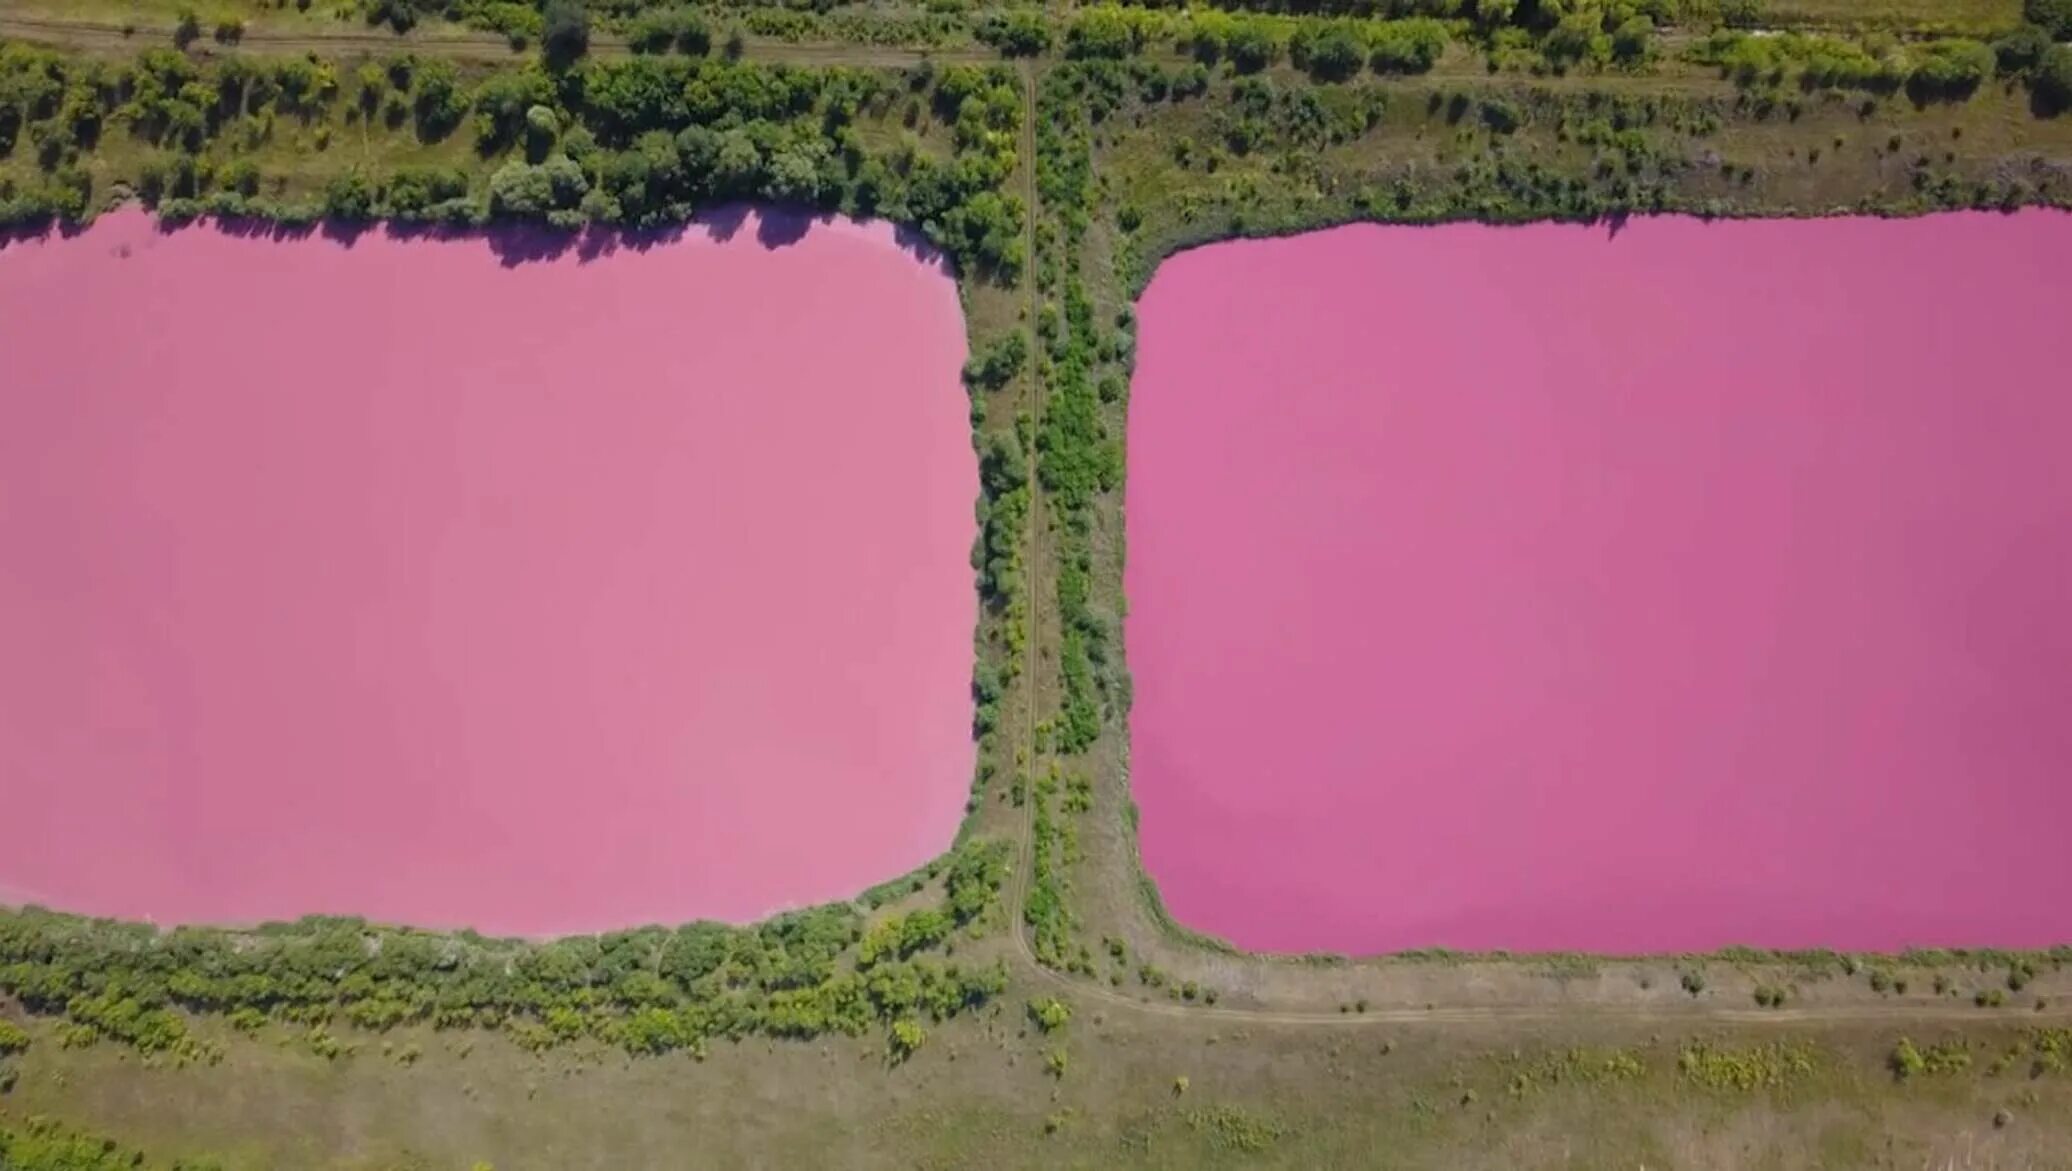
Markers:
<point>1180,1052</point>
<point>1134,1092</point>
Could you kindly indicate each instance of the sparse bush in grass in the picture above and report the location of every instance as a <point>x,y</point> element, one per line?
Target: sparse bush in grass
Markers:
<point>1769,995</point>
<point>1050,1014</point>
<point>12,1039</point>
<point>1989,998</point>
<point>905,1039</point>
<point>1771,1066</point>
<point>1692,980</point>
<point>1056,1062</point>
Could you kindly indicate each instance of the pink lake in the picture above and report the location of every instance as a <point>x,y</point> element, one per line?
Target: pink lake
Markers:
<point>394,580</point>
<point>1542,588</point>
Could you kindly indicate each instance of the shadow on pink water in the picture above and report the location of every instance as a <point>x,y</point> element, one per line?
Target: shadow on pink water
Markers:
<point>531,582</point>
<point>1521,588</point>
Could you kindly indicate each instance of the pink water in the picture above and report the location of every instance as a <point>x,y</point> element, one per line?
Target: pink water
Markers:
<point>1534,589</point>
<point>391,580</point>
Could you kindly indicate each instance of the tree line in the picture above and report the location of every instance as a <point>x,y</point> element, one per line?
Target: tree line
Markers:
<point>649,990</point>
<point>642,143</point>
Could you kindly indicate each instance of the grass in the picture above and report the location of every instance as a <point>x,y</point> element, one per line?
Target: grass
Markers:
<point>978,1093</point>
<point>1951,17</point>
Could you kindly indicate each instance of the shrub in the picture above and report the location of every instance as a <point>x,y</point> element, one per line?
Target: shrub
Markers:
<point>906,1039</point>
<point>1022,32</point>
<point>1329,51</point>
<point>12,1038</point>
<point>1906,1060</point>
<point>1693,981</point>
<point>2052,82</point>
<point>2019,51</point>
<point>1500,115</point>
<point>1407,46</point>
<point>2054,17</point>
<point>564,32</point>
<point>1050,1014</point>
<point>1949,70</point>
<point>1105,32</point>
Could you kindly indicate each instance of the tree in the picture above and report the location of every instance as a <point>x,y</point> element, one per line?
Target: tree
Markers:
<point>1330,52</point>
<point>1022,32</point>
<point>1408,46</point>
<point>1949,70</point>
<point>439,105</point>
<point>564,32</point>
<point>2052,83</point>
<point>349,197</point>
<point>2053,16</point>
<point>1104,32</point>
<point>2019,51</point>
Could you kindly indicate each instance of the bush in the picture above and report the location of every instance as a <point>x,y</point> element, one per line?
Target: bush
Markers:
<point>1949,70</point>
<point>1105,32</point>
<point>2052,82</point>
<point>1407,46</point>
<point>1022,32</point>
<point>1500,115</point>
<point>675,28</point>
<point>1693,981</point>
<point>1050,1014</point>
<point>12,1038</point>
<point>564,32</point>
<point>2054,17</point>
<point>2019,51</point>
<point>1332,51</point>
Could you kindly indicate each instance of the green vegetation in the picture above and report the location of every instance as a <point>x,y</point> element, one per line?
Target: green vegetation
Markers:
<point>1772,1066</point>
<point>648,141</point>
<point>649,991</point>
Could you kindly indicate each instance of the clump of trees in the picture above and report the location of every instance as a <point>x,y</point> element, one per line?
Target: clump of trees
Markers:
<point>643,143</point>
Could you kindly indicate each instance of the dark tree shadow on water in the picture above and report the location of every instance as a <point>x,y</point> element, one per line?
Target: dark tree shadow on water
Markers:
<point>520,243</point>
<point>39,229</point>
